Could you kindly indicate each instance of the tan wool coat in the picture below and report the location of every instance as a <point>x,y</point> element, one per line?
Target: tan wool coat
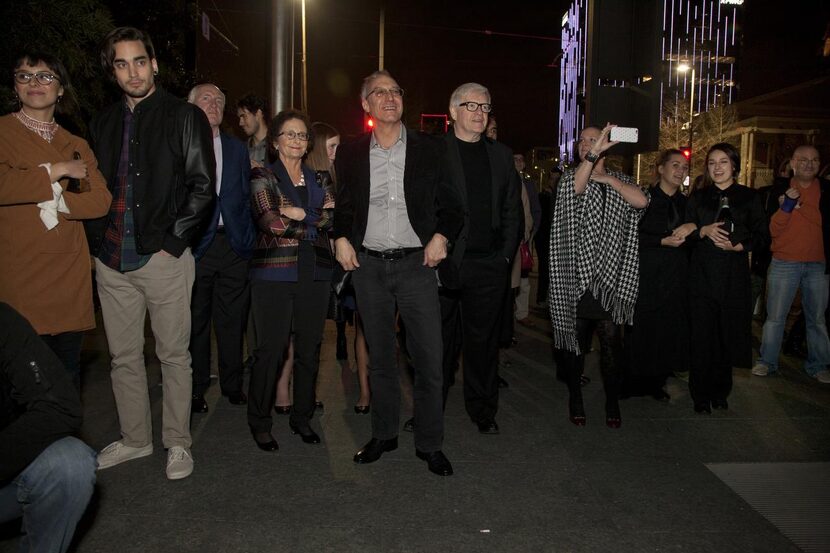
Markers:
<point>46,274</point>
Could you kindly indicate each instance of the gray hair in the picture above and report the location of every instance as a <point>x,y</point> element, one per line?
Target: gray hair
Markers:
<point>364,89</point>
<point>465,89</point>
<point>191,97</point>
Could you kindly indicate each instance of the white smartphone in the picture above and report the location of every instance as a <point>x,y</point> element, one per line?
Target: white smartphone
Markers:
<point>625,134</point>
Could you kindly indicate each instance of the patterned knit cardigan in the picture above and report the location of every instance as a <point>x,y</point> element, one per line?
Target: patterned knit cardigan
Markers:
<point>278,237</point>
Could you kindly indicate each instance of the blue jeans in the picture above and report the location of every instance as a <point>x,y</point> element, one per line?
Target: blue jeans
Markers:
<point>51,494</point>
<point>784,278</point>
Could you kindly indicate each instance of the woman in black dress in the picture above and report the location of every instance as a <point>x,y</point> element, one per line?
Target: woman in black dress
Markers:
<point>658,342</point>
<point>720,294</point>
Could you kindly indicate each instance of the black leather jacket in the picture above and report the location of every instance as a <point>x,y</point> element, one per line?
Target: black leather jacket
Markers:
<point>172,166</point>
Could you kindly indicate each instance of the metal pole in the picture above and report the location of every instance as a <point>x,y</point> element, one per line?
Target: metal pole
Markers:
<point>380,38</point>
<point>280,95</point>
<point>305,76</point>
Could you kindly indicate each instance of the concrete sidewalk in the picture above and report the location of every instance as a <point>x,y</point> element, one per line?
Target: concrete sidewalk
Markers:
<point>541,485</point>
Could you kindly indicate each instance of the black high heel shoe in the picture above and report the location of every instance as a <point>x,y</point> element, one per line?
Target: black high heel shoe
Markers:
<point>362,409</point>
<point>308,435</point>
<point>282,409</point>
<point>703,407</point>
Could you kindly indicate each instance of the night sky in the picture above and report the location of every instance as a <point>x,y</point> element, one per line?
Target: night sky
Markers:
<point>433,46</point>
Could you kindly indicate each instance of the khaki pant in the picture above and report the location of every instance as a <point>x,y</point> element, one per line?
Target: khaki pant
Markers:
<point>163,287</point>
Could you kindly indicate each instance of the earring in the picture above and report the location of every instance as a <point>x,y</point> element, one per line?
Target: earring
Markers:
<point>155,73</point>
<point>60,98</point>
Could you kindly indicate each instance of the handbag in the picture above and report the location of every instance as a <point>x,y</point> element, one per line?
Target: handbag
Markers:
<point>340,280</point>
<point>527,257</point>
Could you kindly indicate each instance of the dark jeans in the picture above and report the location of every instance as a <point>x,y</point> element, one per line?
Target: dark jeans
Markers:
<point>220,295</point>
<point>67,347</point>
<point>407,284</point>
<point>471,321</point>
<point>277,306</point>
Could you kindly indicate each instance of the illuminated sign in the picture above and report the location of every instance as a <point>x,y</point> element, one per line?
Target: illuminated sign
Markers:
<point>733,2</point>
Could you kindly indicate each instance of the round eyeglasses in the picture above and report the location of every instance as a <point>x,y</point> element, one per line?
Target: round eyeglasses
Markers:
<point>473,106</point>
<point>41,77</point>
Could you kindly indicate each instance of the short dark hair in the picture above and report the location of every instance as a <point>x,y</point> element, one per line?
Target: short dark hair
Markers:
<point>121,34</point>
<point>254,103</point>
<point>733,155</point>
<point>276,124</point>
<point>33,57</point>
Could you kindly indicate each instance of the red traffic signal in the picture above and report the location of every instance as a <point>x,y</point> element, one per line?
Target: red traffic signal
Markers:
<point>368,122</point>
<point>687,152</point>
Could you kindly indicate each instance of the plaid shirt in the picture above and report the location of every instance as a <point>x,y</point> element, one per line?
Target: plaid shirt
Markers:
<point>118,249</point>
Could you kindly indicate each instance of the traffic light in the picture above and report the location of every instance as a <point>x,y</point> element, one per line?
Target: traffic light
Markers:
<point>687,152</point>
<point>368,123</point>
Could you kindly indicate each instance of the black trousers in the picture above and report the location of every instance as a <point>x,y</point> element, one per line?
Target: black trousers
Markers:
<point>67,346</point>
<point>610,364</point>
<point>277,306</point>
<point>221,295</point>
<point>406,284</point>
<point>471,321</point>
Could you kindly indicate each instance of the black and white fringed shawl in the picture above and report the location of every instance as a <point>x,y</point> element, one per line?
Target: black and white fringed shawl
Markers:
<point>593,246</point>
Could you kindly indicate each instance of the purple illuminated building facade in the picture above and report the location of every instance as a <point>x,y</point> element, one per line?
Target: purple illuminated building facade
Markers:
<point>704,34</point>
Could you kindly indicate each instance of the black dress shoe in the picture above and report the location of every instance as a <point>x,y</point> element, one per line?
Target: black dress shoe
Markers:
<point>702,407</point>
<point>502,382</point>
<point>319,405</point>
<point>282,409</point>
<point>436,461</point>
<point>198,404</point>
<point>265,441</point>
<point>720,404</point>
<point>308,435</point>
<point>409,425</point>
<point>661,395</point>
<point>237,398</point>
<point>362,409</point>
<point>488,427</point>
<point>372,451</point>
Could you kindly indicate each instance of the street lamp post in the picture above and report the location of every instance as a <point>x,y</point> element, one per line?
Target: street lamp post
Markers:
<point>304,95</point>
<point>683,68</point>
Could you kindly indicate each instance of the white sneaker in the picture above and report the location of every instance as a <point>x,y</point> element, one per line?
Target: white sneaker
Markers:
<point>823,376</point>
<point>760,370</point>
<point>179,463</point>
<point>117,453</point>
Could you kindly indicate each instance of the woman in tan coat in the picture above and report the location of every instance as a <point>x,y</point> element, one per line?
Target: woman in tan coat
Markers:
<point>49,181</point>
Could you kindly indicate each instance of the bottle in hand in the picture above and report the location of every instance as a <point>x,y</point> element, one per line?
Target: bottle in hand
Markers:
<point>725,215</point>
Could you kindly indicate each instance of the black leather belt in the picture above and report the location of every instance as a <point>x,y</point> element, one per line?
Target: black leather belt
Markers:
<point>391,255</point>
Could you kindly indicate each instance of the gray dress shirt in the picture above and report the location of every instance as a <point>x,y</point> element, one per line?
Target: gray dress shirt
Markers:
<point>388,225</point>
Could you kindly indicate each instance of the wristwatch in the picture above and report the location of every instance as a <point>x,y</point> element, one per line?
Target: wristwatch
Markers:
<point>592,157</point>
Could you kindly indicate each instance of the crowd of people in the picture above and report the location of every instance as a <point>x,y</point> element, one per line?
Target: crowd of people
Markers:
<point>410,237</point>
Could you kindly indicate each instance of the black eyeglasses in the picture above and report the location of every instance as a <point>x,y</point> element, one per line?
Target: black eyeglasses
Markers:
<point>291,135</point>
<point>473,106</point>
<point>395,92</point>
<point>42,77</point>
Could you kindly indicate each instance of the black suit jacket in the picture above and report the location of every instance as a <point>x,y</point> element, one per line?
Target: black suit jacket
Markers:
<point>233,201</point>
<point>431,202</point>
<point>505,188</point>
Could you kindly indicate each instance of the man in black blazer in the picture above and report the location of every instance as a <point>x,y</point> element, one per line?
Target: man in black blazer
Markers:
<point>395,214</point>
<point>475,277</point>
<point>221,293</point>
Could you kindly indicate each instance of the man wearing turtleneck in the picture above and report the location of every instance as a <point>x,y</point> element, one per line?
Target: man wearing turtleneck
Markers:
<point>474,277</point>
